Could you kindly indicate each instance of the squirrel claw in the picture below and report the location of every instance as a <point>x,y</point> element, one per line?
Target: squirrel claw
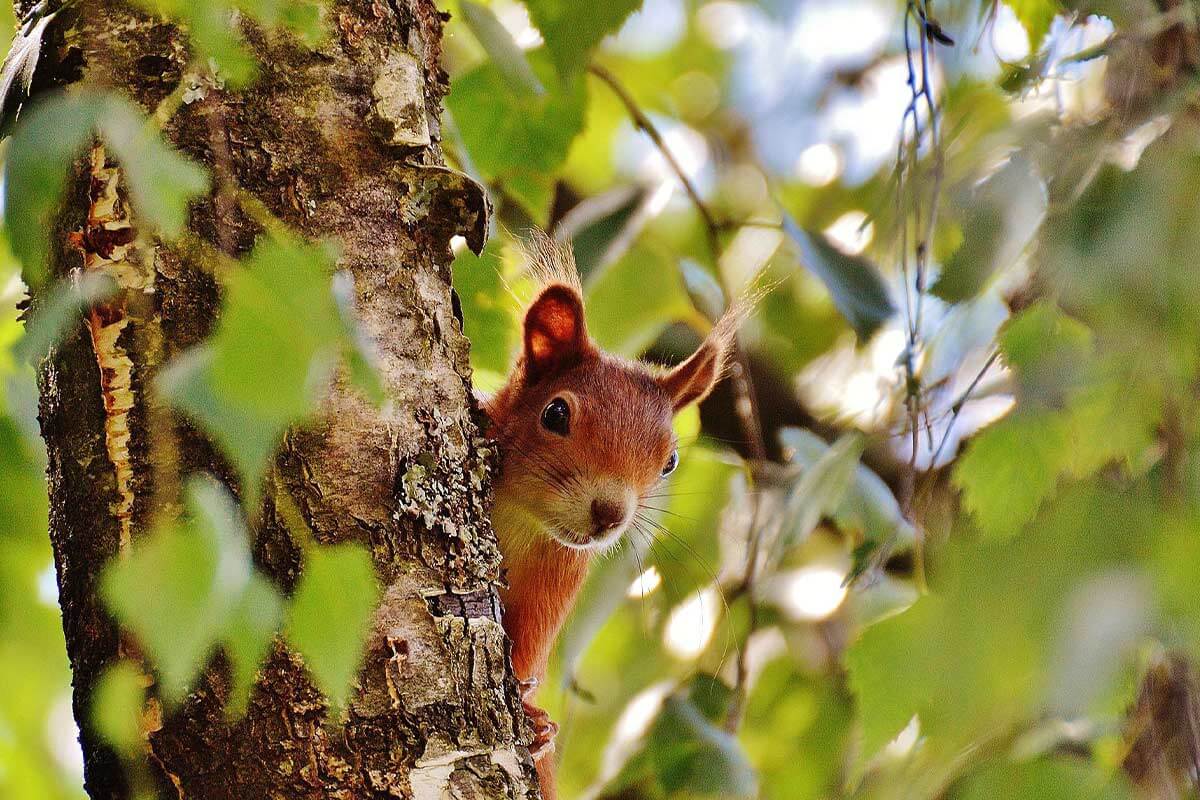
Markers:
<point>544,731</point>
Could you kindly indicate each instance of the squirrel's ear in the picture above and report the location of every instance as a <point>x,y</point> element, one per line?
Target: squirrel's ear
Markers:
<point>691,381</point>
<point>555,335</point>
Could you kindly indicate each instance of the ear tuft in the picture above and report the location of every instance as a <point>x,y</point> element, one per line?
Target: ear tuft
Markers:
<point>695,378</point>
<point>555,332</point>
<point>550,261</point>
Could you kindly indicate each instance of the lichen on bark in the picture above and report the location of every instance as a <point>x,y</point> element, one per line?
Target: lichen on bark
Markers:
<point>321,140</point>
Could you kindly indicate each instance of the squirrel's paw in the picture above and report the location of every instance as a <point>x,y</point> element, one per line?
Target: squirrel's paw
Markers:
<point>544,731</point>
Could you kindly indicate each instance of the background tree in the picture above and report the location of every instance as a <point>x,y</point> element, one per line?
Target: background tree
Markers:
<point>937,537</point>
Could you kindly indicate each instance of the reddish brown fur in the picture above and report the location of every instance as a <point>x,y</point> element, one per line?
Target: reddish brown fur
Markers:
<point>620,435</point>
<point>621,425</point>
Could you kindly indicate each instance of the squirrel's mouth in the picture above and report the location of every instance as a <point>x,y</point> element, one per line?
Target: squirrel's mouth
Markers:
<point>587,543</point>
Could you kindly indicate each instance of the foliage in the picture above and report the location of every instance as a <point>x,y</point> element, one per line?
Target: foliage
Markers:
<point>977,376</point>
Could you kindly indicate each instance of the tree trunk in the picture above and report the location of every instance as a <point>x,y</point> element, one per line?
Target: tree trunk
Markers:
<point>339,142</point>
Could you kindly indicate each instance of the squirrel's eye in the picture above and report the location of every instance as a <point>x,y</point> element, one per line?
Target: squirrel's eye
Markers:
<point>556,417</point>
<point>672,463</point>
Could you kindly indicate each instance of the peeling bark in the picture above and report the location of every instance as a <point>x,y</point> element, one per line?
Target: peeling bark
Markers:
<point>340,142</point>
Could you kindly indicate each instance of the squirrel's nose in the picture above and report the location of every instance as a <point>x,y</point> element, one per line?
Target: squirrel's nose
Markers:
<point>606,515</point>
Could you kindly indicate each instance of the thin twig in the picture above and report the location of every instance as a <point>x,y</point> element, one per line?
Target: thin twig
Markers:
<point>920,211</point>
<point>644,123</point>
<point>741,686</point>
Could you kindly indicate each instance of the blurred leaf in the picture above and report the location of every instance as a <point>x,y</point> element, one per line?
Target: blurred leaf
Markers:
<point>975,656</point>
<point>248,434</point>
<point>501,49</point>
<point>686,753</point>
<point>602,228</point>
<point>819,491</point>
<point>23,476</point>
<point>797,730</point>
<point>1060,778</point>
<point>281,310</point>
<point>361,354</point>
<point>704,289</point>
<point>1102,622</point>
<point>1049,351</point>
<point>603,592</point>
<point>1002,215</point>
<point>518,141</point>
<point>331,615</point>
<point>1075,415</point>
<point>686,541</point>
<point>187,587</point>
<point>117,704</point>
<point>853,282</point>
<point>482,297</point>
<point>62,308</point>
<point>572,29</point>
<point>1001,491</point>
<point>631,302</point>
<point>53,133</point>
<point>161,181</point>
<point>252,628</point>
<point>868,506</point>
<point>968,328</point>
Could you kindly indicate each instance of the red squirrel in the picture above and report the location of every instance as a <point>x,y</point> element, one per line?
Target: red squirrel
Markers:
<point>584,436</point>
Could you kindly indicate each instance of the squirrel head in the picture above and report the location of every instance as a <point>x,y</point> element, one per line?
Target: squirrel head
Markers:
<point>586,435</point>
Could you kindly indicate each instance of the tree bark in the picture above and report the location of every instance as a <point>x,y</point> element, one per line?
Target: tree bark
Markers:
<point>339,142</point>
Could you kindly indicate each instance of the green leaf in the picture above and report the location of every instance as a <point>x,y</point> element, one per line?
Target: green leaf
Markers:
<point>53,134</point>
<point>252,628</point>
<point>482,296</point>
<point>190,586</point>
<point>686,548</point>
<point>1078,410</point>
<point>977,655</point>
<point>279,310</point>
<point>685,752</point>
<point>573,29</point>
<point>161,181</point>
<point>868,506</point>
<point>501,48</point>
<point>23,476</point>
<point>601,228</point>
<point>249,434</point>
<point>631,301</point>
<point>50,136</point>
<point>705,291</point>
<point>797,731</point>
<point>1002,215</point>
<point>602,593</point>
<point>818,492</point>
<point>331,615</point>
<point>853,282</point>
<point>1047,348</point>
<point>117,704</point>
<point>1010,468</point>
<point>519,141</point>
